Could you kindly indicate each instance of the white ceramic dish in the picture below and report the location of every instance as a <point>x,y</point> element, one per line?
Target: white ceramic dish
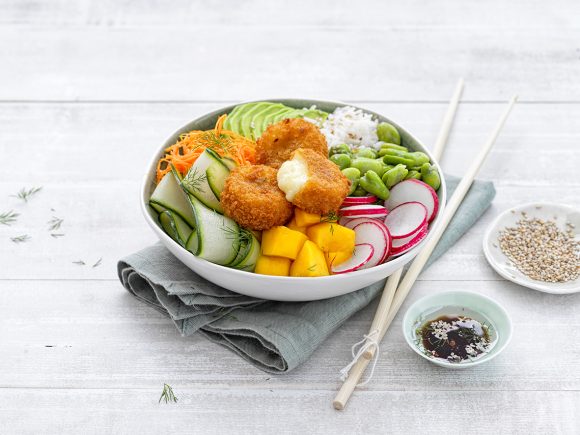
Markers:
<point>275,287</point>
<point>502,265</point>
<point>474,305</point>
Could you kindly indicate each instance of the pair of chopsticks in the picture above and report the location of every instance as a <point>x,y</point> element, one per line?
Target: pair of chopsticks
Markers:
<point>393,296</point>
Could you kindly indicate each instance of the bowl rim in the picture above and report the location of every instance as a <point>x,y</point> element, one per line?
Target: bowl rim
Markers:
<point>323,280</point>
<point>496,350</point>
<point>544,287</point>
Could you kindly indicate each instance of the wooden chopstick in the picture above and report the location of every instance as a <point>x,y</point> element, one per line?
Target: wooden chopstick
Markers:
<point>393,279</point>
<point>404,288</point>
<point>388,293</point>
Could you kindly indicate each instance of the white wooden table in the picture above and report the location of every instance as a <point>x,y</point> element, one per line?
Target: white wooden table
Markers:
<point>90,88</point>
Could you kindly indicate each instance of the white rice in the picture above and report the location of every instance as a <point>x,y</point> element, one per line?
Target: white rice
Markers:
<point>351,126</point>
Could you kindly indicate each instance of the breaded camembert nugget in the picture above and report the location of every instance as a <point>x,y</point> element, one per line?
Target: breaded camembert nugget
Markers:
<point>312,182</point>
<point>280,140</point>
<point>252,198</point>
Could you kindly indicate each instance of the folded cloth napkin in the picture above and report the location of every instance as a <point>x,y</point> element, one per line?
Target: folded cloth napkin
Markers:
<point>274,336</point>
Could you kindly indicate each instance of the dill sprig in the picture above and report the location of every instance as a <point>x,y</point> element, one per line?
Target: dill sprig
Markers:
<point>25,194</point>
<point>193,182</point>
<point>167,394</point>
<point>242,235</point>
<point>8,217</point>
<point>98,263</point>
<point>20,239</point>
<point>79,262</point>
<point>313,267</point>
<point>218,143</point>
<point>55,223</point>
<point>330,217</point>
<point>56,235</point>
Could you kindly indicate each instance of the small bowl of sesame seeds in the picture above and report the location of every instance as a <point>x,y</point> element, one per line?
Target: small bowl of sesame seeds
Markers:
<point>457,329</point>
<point>537,246</point>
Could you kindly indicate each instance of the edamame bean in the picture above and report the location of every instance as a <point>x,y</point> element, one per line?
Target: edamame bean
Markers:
<point>359,191</point>
<point>342,160</point>
<point>353,175</point>
<point>372,183</point>
<point>364,164</point>
<point>391,159</point>
<point>392,146</point>
<point>420,158</point>
<point>340,149</point>
<point>430,175</point>
<point>413,174</point>
<point>388,133</point>
<point>366,152</point>
<point>395,175</point>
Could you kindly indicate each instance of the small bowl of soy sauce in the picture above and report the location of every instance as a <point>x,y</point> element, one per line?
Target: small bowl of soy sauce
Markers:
<point>457,329</point>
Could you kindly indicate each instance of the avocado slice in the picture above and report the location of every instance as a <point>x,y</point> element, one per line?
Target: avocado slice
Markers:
<point>260,119</point>
<point>233,120</point>
<point>247,118</point>
<point>283,114</point>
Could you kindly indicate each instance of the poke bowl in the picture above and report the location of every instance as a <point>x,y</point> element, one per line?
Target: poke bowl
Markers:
<point>322,223</point>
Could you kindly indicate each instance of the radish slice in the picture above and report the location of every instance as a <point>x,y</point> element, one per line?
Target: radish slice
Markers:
<point>359,200</point>
<point>344,221</point>
<point>372,232</point>
<point>406,219</point>
<point>400,246</point>
<point>414,190</point>
<point>367,210</point>
<point>351,223</point>
<point>362,254</point>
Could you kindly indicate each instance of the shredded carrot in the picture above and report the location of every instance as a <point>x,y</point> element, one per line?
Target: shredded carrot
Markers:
<point>183,154</point>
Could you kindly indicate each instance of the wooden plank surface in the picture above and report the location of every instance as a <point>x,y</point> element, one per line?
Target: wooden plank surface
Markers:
<point>88,80</point>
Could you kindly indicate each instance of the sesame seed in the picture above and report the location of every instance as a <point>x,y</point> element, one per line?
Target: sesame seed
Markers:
<point>541,251</point>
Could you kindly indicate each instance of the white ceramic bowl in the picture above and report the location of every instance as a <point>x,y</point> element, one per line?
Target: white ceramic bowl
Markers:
<point>474,305</point>
<point>275,287</point>
<point>501,263</point>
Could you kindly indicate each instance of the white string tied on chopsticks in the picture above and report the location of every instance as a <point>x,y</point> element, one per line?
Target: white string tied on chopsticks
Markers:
<point>365,344</point>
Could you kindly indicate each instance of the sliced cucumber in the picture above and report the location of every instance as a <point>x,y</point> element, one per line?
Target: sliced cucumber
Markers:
<point>158,208</point>
<point>245,238</point>
<point>175,227</point>
<point>192,243</point>
<point>216,178</point>
<point>248,263</point>
<point>197,184</point>
<point>217,235</point>
<point>230,163</point>
<point>168,195</point>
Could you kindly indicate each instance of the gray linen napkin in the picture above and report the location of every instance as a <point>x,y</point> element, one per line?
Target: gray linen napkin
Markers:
<point>274,336</point>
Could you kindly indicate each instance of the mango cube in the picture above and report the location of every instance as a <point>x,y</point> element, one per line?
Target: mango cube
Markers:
<point>337,257</point>
<point>282,242</point>
<point>294,226</point>
<point>277,266</point>
<point>304,219</point>
<point>310,262</point>
<point>331,237</point>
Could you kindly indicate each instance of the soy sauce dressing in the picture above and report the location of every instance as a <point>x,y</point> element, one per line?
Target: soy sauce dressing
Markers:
<point>455,338</point>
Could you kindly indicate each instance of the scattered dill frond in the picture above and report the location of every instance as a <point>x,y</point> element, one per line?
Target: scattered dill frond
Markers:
<point>55,223</point>
<point>167,394</point>
<point>79,262</point>
<point>98,263</point>
<point>8,217</point>
<point>25,194</point>
<point>312,268</point>
<point>193,182</point>
<point>56,235</point>
<point>331,229</point>
<point>20,239</point>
